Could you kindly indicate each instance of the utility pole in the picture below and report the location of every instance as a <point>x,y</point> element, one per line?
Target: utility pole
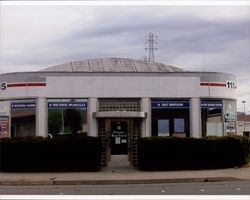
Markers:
<point>244,102</point>
<point>151,43</point>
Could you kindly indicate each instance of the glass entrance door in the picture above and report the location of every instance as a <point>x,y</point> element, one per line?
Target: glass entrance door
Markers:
<point>119,137</point>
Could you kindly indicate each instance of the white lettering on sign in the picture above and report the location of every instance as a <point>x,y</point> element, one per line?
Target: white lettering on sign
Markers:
<point>231,85</point>
<point>3,86</point>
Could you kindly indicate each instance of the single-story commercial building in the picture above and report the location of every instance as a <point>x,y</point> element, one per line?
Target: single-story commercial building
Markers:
<point>243,125</point>
<point>118,100</point>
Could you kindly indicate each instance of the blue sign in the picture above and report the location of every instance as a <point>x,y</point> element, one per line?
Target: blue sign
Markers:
<point>23,105</point>
<point>212,104</point>
<point>69,105</point>
<point>169,104</point>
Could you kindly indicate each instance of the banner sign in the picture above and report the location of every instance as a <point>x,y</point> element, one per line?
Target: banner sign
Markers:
<point>169,104</point>
<point>4,126</point>
<point>69,105</point>
<point>23,105</point>
<point>212,104</point>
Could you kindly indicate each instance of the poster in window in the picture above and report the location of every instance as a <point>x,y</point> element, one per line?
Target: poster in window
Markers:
<point>4,126</point>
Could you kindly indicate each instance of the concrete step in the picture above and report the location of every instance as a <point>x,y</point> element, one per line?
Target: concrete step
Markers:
<point>118,161</point>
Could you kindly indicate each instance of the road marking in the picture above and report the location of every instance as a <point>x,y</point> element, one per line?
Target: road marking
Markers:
<point>202,190</point>
<point>162,191</point>
<point>238,189</point>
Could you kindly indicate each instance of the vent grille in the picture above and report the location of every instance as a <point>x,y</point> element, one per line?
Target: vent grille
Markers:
<point>120,104</point>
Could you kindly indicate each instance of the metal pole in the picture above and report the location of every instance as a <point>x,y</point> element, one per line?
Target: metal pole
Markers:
<point>62,122</point>
<point>244,102</point>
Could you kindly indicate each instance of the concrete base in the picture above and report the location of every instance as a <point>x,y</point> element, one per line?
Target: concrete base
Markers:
<point>119,161</point>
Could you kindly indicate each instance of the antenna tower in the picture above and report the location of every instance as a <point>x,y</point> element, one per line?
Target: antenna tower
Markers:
<point>151,43</point>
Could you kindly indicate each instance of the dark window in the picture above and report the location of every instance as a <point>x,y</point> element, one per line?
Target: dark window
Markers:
<point>170,116</point>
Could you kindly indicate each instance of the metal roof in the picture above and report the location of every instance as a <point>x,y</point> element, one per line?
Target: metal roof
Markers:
<point>112,65</point>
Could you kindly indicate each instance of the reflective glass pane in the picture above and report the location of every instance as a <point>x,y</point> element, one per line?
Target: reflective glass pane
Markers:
<point>23,118</point>
<point>163,127</point>
<point>67,116</point>
<point>179,125</point>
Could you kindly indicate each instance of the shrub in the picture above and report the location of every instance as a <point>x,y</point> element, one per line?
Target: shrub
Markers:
<point>172,153</point>
<point>62,153</point>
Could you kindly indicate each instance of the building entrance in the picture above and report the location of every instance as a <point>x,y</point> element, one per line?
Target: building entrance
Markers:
<point>119,137</point>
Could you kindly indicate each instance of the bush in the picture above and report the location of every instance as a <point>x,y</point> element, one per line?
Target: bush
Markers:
<point>172,153</point>
<point>62,153</point>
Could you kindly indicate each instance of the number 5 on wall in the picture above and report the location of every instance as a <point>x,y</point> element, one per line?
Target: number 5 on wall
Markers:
<point>3,86</point>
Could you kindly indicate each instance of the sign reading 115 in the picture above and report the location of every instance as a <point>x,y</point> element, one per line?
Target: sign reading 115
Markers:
<point>3,86</point>
<point>230,84</point>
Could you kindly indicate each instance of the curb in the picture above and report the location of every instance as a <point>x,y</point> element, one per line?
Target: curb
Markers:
<point>23,182</point>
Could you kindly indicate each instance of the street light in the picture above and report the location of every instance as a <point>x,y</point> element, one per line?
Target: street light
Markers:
<point>244,102</point>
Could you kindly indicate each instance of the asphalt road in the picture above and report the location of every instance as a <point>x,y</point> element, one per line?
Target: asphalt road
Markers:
<point>209,188</point>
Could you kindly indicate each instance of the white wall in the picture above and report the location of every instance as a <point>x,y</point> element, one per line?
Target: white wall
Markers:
<point>122,86</point>
<point>241,126</point>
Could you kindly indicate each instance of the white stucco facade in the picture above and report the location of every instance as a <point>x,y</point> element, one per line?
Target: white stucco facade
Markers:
<point>146,84</point>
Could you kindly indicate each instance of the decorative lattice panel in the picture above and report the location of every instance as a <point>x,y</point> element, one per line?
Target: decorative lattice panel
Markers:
<point>102,135</point>
<point>120,104</point>
<point>134,137</point>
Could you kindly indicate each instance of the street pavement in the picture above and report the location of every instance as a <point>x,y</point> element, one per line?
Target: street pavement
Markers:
<point>124,175</point>
<point>197,188</point>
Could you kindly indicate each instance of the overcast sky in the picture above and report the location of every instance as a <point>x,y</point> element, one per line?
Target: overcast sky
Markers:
<point>195,38</point>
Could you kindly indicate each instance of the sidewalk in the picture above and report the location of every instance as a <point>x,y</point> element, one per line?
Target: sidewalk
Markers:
<point>124,176</point>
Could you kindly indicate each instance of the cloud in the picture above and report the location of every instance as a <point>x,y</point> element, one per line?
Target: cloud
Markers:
<point>24,26</point>
<point>210,38</point>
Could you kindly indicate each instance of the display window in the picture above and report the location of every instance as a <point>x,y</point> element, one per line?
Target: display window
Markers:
<point>211,116</point>
<point>170,117</point>
<point>230,116</point>
<point>67,116</point>
<point>23,118</point>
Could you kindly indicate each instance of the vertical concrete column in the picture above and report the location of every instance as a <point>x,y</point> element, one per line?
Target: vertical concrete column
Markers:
<point>195,118</point>
<point>92,122</point>
<point>146,122</point>
<point>41,117</point>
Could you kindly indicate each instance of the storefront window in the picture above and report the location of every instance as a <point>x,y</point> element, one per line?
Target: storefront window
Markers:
<point>211,114</point>
<point>4,119</point>
<point>23,118</point>
<point>67,116</point>
<point>170,117</point>
<point>230,116</point>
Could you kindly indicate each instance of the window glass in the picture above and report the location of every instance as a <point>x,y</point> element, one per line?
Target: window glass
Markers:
<point>4,119</point>
<point>214,122</point>
<point>230,116</point>
<point>23,118</point>
<point>179,125</point>
<point>163,127</point>
<point>211,114</point>
<point>214,128</point>
<point>67,116</point>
